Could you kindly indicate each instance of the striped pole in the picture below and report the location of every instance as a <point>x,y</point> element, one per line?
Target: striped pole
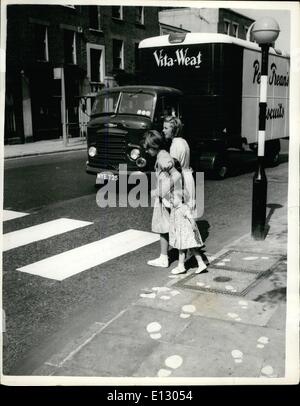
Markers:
<point>259,197</point>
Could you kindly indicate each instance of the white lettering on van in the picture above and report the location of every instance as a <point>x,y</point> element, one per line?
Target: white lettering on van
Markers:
<point>182,59</point>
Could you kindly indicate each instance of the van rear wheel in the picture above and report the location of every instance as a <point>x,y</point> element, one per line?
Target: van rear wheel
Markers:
<point>220,168</point>
<point>272,153</point>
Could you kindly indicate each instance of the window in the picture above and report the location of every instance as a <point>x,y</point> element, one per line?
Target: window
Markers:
<point>117,12</point>
<point>136,56</point>
<point>139,15</point>
<point>235,28</point>
<point>95,59</point>
<point>94,17</point>
<point>166,106</point>
<point>227,27</point>
<point>70,46</point>
<point>118,56</point>
<point>41,42</point>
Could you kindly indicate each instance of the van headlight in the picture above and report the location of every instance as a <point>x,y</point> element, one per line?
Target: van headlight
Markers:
<point>141,162</point>
<point>135,153</point>
<point>92,151</point>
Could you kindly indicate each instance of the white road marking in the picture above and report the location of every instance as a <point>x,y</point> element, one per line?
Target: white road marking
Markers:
<point>72,262</point>
<point>39,232</point>
<point>10,214</point>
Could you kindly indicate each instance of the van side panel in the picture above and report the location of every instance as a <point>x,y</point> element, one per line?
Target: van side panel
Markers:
<point>210,77</point>
<point>277,100</point>
<point>277,125</point>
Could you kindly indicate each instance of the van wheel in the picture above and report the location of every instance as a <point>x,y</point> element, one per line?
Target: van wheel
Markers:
<point>272,153</point>
<point>273,160</point>
<point>220,170</point>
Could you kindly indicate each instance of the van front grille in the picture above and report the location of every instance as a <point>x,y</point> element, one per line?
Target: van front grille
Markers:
<point>111,149</point>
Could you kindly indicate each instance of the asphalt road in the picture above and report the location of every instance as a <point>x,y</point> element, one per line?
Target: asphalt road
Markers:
<point>41,313</point>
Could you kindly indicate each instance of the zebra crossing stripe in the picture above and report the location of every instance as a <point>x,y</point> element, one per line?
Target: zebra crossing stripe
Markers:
<point>10,214</point>
<point>40,232</point>
<point>72,262</point>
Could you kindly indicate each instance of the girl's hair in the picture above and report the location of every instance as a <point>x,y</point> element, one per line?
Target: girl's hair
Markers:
<point>175,123</point>
<point>153,139</point>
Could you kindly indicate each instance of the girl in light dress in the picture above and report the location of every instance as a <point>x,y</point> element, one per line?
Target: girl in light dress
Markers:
<point>179,150</point>
<point>178,218</point>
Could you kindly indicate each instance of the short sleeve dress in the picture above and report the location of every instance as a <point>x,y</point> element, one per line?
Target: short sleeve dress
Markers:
<point>161,211</point>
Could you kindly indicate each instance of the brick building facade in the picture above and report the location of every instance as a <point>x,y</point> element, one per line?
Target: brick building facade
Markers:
<point>83,47</point>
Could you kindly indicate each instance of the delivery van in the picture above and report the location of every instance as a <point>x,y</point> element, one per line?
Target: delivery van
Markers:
<point>210,81</point>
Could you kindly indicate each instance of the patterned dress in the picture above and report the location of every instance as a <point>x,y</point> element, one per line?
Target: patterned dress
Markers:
<point>161,211</point>
<point>183,232</point>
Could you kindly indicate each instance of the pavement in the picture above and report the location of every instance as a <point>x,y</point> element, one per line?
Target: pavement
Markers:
<point>228,322</point>
<point>43,147</point>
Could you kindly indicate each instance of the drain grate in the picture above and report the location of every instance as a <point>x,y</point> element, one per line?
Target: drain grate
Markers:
<point>235,279</point>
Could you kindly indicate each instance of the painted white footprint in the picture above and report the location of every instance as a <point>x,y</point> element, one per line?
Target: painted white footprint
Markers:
<point>243,304</point>
<point>149,295</point>
<point>187,311</point>
<point>237,355</point>
<point>268,372</point>
<point>173,362</point>
<point>230,288</point>
<point>234,316</point>
<point>262,341</point>
<point>154,330</point>
<point>161,289</point>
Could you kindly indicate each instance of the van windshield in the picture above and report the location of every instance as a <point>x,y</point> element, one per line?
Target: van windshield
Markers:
<point>106,104</point>
<point>136,102</point>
